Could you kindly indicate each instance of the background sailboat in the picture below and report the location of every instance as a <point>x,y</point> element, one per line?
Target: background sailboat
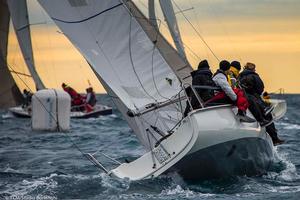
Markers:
<point>9,92</point>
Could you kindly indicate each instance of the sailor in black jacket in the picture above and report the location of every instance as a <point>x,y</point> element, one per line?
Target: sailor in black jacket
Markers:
<point>254,88</point>
<point>251,81</point>
<point>201,77</point>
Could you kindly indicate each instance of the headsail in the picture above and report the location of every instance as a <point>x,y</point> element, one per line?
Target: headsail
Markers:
<point>128,54</point>
<point>19,14</point>
<point>9,92</point>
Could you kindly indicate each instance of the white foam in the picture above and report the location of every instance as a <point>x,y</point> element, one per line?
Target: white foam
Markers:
<point>113,183</point>
<point>7,115</point>
<point>290,171</point>
<point>289,126</point>
<point>9,169</point>
<point>183,193</point>
<point>26,187</point>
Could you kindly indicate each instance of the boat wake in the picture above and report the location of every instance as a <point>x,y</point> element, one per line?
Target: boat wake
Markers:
<point>283,169</point>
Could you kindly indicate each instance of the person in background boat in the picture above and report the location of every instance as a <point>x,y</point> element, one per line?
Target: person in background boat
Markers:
<point>266,98</point>
<point>90,100</point>
<point>235,68</point>
<point>77,100</point>
<point>228,94</point>
<point>27,98</point>
<point>201,77</point>
<point>254,88</point>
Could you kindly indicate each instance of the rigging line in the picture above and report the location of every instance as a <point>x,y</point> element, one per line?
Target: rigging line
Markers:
<point>131,59</point>
<point>152,62</point>
<point>157,33</point>
<point>161,22</point>
<point>52,50</point>
<point>197,32</point>
<point>198,27</point>
<point>20,73</point>
<point>150,145</point>
<point>236,52</point>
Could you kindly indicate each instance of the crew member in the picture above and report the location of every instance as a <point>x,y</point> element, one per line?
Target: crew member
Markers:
<point>234,70</point>
<point>201,77</point>
<point>76,98</point>
<point>90,99</point>
<point>254,88</point>
<point>27,98</point>
<point>229,95</point>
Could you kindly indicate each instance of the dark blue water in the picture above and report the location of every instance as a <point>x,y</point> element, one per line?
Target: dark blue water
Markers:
<point>44,165</point>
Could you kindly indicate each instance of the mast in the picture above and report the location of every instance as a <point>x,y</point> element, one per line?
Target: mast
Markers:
<point>19,15</point>
<point>168,11</point>
<point>10,94</point>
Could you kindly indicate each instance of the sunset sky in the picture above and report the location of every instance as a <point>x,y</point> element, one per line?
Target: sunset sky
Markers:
<point>265,32</point>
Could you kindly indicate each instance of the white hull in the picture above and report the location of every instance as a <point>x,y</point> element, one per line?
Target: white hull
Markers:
<point>225,147</point>
<point>211,143</point>
<point>98,110</point>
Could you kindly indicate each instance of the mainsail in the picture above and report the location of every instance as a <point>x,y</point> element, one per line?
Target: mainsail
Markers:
<point>136,65</point>
<point>19,15</point>
<point>9,92</point>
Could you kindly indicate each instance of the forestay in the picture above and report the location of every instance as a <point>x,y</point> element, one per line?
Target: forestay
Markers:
<point>19,15</point>
<point>9,92</point>
<point>130,57</point>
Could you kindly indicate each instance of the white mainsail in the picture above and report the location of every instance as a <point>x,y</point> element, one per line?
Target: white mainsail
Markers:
<point>9,92</point>
<point>19,15</point>
<point>131,58</point>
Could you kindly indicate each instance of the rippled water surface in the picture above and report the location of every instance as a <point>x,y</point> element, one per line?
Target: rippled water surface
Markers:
<point>46,165</point>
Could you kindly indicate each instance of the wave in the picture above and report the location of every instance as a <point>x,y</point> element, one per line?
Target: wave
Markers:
<point>288,126</point>
<point>7,115</point>
<point>289,173</point>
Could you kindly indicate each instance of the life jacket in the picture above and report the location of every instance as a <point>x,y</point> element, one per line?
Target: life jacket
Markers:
<point>232,77</point>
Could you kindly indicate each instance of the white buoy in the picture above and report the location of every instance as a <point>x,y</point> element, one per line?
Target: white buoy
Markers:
<point>51,110</point>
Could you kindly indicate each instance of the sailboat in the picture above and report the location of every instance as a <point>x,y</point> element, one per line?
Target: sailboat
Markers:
<point>18,11</point>
<point>146,78</point>
<point>10,94</point>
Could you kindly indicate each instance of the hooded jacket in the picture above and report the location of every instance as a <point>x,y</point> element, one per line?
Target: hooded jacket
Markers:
<point>203,77</point>
<point>251,81</point>
<point>220,80</point>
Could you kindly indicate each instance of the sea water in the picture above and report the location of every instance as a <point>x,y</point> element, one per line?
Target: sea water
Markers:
<point>47,165</point>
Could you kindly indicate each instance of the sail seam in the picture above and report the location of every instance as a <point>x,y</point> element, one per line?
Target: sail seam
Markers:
<point>86,19</point>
